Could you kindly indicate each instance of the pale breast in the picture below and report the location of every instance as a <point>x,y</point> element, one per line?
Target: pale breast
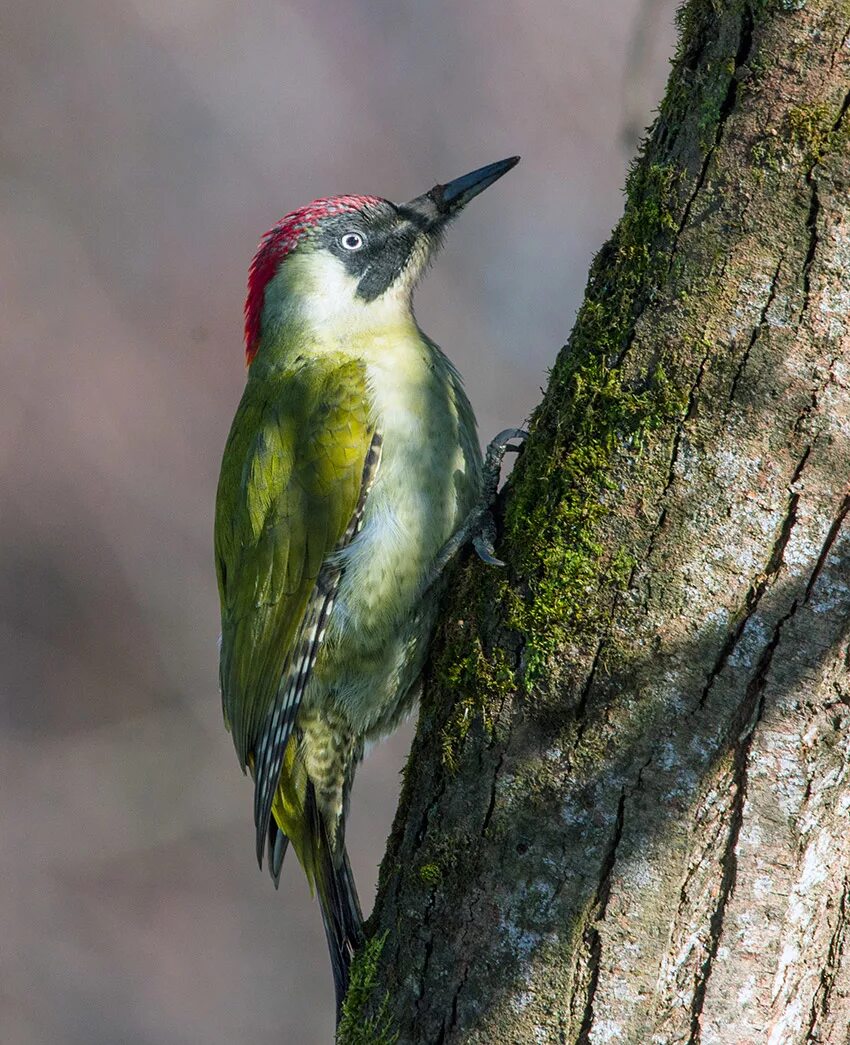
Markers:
<point>426,484</point>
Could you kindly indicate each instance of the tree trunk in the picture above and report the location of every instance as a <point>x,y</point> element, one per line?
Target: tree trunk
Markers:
<point>625,815</point>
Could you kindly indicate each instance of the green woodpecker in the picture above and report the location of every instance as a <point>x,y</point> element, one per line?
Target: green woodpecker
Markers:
<point>351,474</point>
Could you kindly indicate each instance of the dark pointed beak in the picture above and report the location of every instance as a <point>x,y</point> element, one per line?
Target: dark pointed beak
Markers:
<point>443,201</point>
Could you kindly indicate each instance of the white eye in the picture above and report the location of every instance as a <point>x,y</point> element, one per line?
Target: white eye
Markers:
<point>352,241</point>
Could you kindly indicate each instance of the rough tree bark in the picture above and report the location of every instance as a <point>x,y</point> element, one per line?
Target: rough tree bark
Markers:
<point>625,816</point>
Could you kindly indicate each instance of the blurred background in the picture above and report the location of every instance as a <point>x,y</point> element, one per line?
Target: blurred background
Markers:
<point>144,147</point>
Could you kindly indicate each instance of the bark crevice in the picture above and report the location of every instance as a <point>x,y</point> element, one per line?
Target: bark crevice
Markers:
<point>727,107</point>
<point>757,330</point>
<point>753,709</point>
<point>834,529</point>
<point>591,936</point>
<point>812,238</point>
<point>763,583</point>
<point>829,973</point>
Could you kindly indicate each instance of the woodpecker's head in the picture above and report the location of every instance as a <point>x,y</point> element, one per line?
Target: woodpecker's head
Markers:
<point>351,259</point>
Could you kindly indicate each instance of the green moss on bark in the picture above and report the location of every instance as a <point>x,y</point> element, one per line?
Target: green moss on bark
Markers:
<point>470,679</point>
<point>592,413</point>
<point>357,1026</point>
<point>817,130</point>
<point>430,873</point>
<point>476,681</point>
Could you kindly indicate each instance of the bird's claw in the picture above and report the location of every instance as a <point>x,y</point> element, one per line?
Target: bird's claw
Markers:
<point>483,541</point>
<point>484,548</point>
<point>479,526</point>
<point>504,437</point>
<point>486,529</point>
<point>501,444</point>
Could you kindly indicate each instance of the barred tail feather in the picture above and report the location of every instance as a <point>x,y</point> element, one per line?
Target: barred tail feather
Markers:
<point>338,900</point>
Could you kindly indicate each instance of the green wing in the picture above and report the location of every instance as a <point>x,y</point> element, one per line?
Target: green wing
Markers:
<point>292,480</point>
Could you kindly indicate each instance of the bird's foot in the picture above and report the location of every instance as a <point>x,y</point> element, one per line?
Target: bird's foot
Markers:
<point>482,526</point>
<point>479,526</point>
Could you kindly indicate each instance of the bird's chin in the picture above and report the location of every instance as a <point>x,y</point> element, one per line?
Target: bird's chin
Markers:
<point>344,319</point>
